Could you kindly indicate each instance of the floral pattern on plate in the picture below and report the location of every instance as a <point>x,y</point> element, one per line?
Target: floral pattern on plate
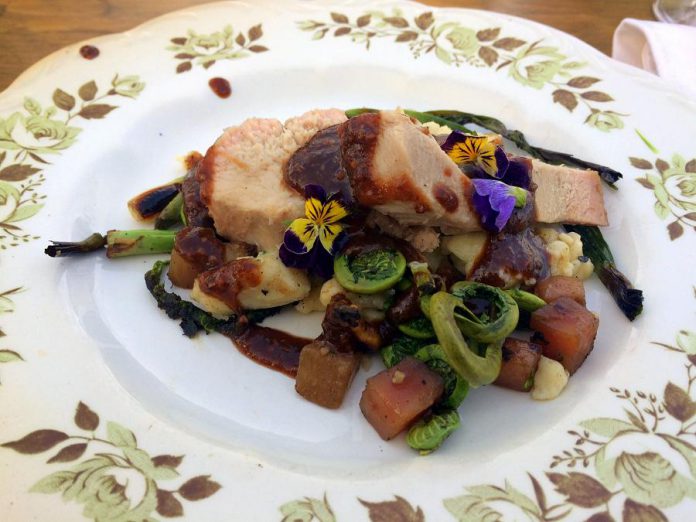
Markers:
<point>674,185</point>
<point>206,49</point>
<point>29,137</point>
<point>7,306</point>
<point>104,469</point>
<point>532,64</point>
<point>654,435</point>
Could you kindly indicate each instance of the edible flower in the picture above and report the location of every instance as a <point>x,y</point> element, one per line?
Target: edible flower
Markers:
<point>479,151</point>
<point>494,202</point>
<point>311,242</point>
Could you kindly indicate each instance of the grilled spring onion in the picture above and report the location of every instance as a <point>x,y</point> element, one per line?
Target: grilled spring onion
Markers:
<point>119,243</point>
<point>70,248</point>
<point>151,202</point>
<point>172,214</point>
<point>629,299</point>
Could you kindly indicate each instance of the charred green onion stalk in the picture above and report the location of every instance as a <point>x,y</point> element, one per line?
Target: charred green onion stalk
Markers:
<point>628,298</point>
<point>123,243</point>
<point>172,214</point>
<point>119,243</point>
<point>67,248</point>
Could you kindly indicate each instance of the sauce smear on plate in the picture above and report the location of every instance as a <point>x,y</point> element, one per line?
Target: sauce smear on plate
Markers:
<point>272,348</point>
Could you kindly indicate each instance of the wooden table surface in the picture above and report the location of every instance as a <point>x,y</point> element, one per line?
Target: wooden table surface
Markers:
<point>31,29</point>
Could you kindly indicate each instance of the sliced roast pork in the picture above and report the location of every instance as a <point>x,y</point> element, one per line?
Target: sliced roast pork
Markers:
<point>241,176</point>
<point>397,168</point>
<point>567,195</point>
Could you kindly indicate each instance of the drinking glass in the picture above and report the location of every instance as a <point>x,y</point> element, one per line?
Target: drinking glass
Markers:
<point>675,11</point>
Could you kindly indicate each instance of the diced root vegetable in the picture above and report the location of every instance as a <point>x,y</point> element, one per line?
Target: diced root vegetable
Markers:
<point>325,375</point>
<point>520,361</point>
<point>553,287</point>
<point>568,331</point>
<point>550,380</point>
<point>182,272</point>
<point>395,398</point>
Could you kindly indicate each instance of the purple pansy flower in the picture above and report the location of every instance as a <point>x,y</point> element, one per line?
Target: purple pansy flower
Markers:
<point>518,172</point>
<point>310,242</point>
<point>481,152</point>
<point>494,202</point>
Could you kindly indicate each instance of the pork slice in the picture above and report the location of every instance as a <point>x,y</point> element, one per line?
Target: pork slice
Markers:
<point>567,195</point>
<point>397,168</point>
<point>241,176</point>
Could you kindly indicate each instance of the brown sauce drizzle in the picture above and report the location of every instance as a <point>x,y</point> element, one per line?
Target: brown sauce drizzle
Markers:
<point>221,87</point>
<point>520,257</point>
<point>271,348</point>
<point>446,197</point>
<point>89,52</point>
<point>319,162</point>
<point>200,247</point>
<point>226,281</point>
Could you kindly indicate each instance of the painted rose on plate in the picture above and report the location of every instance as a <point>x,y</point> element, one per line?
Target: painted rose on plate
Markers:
<point>37,132</point>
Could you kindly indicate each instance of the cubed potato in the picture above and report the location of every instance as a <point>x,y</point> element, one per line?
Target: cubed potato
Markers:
<point>568,330</point>
<point>395,398</point>
<point>553,287</point>
<point>520,361</point>
<point>324,375</point>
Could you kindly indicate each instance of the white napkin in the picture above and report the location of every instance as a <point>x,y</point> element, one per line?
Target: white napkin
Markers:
<point>668,50</point>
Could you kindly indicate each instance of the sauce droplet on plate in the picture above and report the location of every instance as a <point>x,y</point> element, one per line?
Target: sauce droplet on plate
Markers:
<point>221,87</point>
<point>89,52</point>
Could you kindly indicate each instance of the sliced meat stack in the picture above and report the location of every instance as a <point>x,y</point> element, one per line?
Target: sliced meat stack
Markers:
<point>397,168</point>
<point>242,181</point>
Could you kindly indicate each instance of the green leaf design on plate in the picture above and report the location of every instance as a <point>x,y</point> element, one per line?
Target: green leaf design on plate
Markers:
<point>207,49</point>
<point>8,356</point>
<point>54,482</point>
<point>98,478</point>
<point>308,510</point>
<point>533,64</point>
<point>119,436</point>
<point>674,186</point>
<point>28,135</point>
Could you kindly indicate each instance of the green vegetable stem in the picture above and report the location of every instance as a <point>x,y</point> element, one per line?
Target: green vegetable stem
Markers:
<point>172,214</point>
<point>123,243</point>
<point>628,298</point>
<point>119,243</point>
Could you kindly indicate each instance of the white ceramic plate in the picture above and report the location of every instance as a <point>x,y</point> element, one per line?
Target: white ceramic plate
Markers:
<point>107,412</point>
